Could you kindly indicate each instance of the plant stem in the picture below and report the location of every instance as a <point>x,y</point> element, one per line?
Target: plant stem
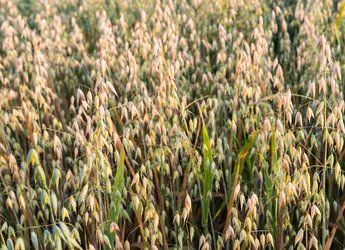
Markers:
<point>324,174</point>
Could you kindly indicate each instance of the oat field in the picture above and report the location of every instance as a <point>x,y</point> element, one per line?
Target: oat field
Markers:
<point>172,124</point>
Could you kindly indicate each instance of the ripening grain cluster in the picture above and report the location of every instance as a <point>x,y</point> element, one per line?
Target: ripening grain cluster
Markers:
<point>172,124</point>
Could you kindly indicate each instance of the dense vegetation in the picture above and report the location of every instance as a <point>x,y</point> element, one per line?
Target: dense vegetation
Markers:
<point>172,124</point>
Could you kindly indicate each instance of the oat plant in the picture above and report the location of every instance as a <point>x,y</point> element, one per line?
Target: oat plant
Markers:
<point>172,124</point>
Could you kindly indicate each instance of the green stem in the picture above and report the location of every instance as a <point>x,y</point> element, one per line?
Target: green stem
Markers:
<point>324,175</point>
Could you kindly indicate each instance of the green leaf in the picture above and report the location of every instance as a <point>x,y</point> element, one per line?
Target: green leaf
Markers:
<point>247,146</point>
<point>119,177</point>
<point>244,151</point>
<point>268,182</point>
<point>274,150</point>
<point>340,16</point>
<point>116,206</point>
<point>239,165</point>
<point>208,176</point>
